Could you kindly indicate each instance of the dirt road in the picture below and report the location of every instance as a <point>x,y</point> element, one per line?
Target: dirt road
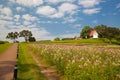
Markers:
<point>7,62</point>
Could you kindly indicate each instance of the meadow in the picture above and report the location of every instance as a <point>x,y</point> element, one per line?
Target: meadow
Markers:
<point>73,62</point>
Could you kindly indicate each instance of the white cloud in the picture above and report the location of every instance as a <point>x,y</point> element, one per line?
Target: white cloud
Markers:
<point>68,8</point>
<point>6,11</point>
<point>6,23</point>
<point>26,23</point>
<point>118,5</point>
<point>89,3</point>
<point>58,1</point>
<point>57,15</point>
<point>91,11</point>
<point>30,3</point>
<point>46,10</point>
<point>19,9</point>
<point>17,17</point>
<point>28,17</point>
<point>65,8</point>
<point>69,20</point>
<point>77,26</point>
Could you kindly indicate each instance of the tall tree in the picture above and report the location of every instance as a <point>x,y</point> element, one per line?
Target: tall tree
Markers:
<point>107,32</point>
<point>26,34</point>
<point>101,30</point>
<point>12,35</point>
<point>85,32</point>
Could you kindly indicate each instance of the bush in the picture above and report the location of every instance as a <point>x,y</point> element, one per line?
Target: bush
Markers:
<point>57,39</point>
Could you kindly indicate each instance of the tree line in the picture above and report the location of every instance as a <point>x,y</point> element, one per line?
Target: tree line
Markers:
<point>28,36</point>
<point>104,31</point>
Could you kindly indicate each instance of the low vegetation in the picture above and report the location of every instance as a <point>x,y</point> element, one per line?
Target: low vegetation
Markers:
<point>81,62</point>
<point>3,47</point>
<point>27,68</point>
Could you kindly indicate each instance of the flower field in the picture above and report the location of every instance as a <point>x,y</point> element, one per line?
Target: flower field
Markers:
<point>81,62</point>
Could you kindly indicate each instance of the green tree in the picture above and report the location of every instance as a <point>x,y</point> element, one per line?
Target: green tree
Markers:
<point>85,32</point>
<point>32,39</point>
<point>107,32</point>
<point>101,30</point>
<point>26,34</point>
<point>57,39</point>
<point>12,35</point>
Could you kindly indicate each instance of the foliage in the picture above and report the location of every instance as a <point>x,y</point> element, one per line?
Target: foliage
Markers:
<point>85,32</point>
<point>26,34</point>
<point>107,32</point>
<point>12,35</point>
<point>68,38</point>
<point>32,39</point>
<point>82,62</point>
<point>57,39</point>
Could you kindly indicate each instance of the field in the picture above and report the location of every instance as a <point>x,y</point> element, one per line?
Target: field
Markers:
<point>72,62</point>
<point>3,47</point>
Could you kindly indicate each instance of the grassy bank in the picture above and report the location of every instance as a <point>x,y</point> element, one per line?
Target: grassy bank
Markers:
<point>3,47</point>
<point>27,68</point>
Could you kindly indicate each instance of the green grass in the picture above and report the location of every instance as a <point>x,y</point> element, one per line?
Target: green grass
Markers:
<point>27,68</point>
<point>3,47</point>
<point>77,42</point>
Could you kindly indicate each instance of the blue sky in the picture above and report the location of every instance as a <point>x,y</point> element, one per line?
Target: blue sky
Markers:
<point>48,19</point>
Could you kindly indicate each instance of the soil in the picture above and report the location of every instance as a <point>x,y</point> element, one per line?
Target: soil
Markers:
<point>7,63</point>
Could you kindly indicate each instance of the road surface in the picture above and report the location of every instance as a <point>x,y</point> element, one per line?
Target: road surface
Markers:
<point>7,63</point>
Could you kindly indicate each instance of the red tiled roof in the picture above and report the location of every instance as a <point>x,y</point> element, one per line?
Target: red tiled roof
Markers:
<point>92,32</point>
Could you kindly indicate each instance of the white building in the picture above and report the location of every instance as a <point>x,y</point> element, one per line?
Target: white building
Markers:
<point>94,34</point>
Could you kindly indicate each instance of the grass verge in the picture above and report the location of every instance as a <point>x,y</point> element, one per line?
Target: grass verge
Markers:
<point>3,47</point>
<point>27,68</point>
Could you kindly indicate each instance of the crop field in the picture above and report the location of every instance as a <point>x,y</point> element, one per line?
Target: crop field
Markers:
<point>86,62</point>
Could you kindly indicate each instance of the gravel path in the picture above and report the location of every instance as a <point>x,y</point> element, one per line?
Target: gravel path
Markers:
<point>7,62</point>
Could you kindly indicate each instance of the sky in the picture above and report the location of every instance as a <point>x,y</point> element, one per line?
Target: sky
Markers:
<point>47,19</point>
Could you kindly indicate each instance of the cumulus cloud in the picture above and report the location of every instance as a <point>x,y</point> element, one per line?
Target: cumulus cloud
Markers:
<point>19,9</point>
<point>17,17</point>
<point>46,10</point>
<point>91,11</point>
<point>58,1</point>
<point>89,3</point>
<point>29,3</point>
<point>68,8</point>
<point>69,20</point>
<point>6,11</point>
<point>29,17</point>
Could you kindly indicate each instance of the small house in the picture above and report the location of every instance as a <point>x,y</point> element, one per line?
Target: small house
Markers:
<point>93,34</point>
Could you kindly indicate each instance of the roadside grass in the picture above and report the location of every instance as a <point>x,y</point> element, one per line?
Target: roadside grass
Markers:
<point>3,47</point>
<point>27,68</point>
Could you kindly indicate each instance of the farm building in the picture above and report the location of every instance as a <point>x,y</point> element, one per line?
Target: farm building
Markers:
<point>93,34</point>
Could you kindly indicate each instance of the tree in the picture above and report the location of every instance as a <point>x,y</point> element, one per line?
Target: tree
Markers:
<point>12,35</point>
<point>57,39</point>
<point>101,30</point>
<point>26,34</point>
<point>85,32</point>
<point>32,39</point>
<point>107,32</point>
